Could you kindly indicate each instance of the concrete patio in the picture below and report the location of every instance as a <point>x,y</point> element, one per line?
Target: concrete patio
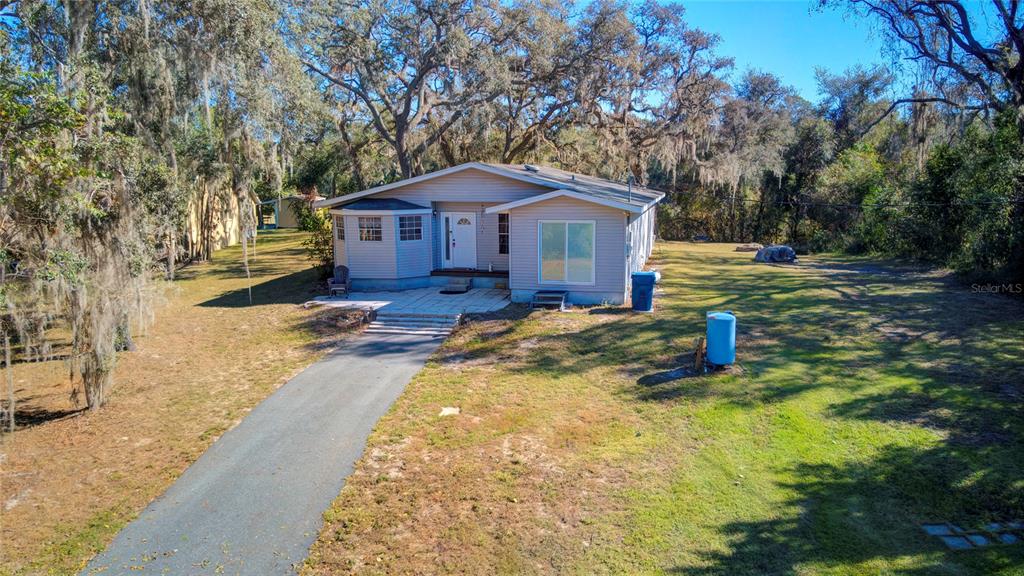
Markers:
<point>422,301</point>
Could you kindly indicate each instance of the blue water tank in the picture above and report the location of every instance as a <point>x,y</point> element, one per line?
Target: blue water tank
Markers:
<point>721,338</point>
<point>643,291</point>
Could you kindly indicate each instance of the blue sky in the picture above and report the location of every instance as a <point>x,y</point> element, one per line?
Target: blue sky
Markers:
<point>787,38</point>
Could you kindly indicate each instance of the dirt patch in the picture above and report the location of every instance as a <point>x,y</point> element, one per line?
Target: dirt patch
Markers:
<point>328,322</point>
<point>511,312</point>
<point>896,332</point>
<point>467,507</point>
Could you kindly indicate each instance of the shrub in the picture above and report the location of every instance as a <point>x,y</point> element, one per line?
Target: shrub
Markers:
<point>319,244</point>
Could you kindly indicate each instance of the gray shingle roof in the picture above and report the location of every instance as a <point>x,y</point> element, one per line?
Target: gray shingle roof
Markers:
<point>383,204</point>
<point>584,184</point>
<point>633,198</point>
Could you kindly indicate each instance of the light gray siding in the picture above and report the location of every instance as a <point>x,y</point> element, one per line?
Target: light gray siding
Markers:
<point>640,238</point>
<point>474,186</point>
<point>371,259</point>
<point>414,256</point>
<point>475,191</point>
<point>486,234</point>
<point>609,255</point>
<point>466,191</point>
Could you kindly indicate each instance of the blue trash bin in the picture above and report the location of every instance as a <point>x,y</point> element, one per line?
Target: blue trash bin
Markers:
<point>721,338</point>
<point>643,291</point>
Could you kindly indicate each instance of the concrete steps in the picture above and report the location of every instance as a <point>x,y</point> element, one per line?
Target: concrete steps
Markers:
<point>549,299</point>
<point>420,324</point>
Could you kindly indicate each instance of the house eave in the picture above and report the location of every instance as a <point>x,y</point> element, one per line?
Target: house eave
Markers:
<point>454,169</point>
<point>409,212</point>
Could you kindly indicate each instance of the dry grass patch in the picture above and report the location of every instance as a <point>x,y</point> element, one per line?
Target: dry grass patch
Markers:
<point>71,479</point>
<point>515,481</point>
<point>582,447</point>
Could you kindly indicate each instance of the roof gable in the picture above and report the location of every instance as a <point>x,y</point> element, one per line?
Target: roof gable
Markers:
<point>587,188</point>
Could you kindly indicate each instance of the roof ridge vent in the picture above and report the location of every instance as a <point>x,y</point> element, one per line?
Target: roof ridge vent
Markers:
<point>531,168</point>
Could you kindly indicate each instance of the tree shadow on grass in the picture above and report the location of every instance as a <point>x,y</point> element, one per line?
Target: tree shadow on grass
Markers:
<point>30,416</point>
<point>911,350</point>
<point>294,288</point>
<point>870,514</point>
<point>797,330</point>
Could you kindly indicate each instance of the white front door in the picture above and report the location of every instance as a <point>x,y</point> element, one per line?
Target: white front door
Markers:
<point>459,229</point>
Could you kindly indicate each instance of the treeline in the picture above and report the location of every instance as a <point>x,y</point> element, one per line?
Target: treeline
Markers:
<point>927,171</point>
<point>937,183</point>
<point>130,128</point>
<point>133,134</point>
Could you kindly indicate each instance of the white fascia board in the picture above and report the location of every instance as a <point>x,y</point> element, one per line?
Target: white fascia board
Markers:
<point>409,212</point>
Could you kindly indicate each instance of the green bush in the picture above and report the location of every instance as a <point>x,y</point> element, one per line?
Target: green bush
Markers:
<point>319,244</point>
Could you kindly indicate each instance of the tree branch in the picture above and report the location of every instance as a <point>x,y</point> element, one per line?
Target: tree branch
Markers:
<point>923,100</point>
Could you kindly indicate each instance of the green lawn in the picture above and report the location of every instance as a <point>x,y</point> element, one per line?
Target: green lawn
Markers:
<point>864,403</point>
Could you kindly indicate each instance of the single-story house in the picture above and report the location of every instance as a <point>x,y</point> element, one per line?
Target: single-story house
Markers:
<point>520,227</point>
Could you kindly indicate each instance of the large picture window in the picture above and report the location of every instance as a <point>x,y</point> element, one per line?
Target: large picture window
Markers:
<point>566,252</point>
<point>370,229</point>
<point>410,227</point>
<point>502,233</point>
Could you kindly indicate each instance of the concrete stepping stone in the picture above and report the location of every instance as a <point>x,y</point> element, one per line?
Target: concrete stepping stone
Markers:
<point>956,542</point>
<point>937,529</point>
<point>978,540</point>
<point>1008,538</point>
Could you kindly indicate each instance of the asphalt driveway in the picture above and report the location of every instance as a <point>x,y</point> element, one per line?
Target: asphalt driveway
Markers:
<point>252,503</point>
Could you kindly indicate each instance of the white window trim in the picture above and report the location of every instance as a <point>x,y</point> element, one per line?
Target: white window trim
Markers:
<point>359,229</point>
<point>507,234</point>
<point>540,261</point>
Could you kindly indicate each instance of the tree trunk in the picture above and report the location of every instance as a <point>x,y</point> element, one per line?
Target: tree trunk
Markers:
<point>794,222</point>
<point>403,155</point>
<point>172,249</point>
<point>732,215</point>
<point>9,371</point>
<point>757,233</point>
<point>206,232</point>
<point>125,343</point>
<point>1020,122</point>
<point>447,151</point>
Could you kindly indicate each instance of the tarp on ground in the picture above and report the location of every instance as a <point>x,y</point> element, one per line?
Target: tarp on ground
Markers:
<point>776,253</point>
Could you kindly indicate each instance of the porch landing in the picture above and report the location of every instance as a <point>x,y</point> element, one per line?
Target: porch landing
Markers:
<point>423,301</point>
